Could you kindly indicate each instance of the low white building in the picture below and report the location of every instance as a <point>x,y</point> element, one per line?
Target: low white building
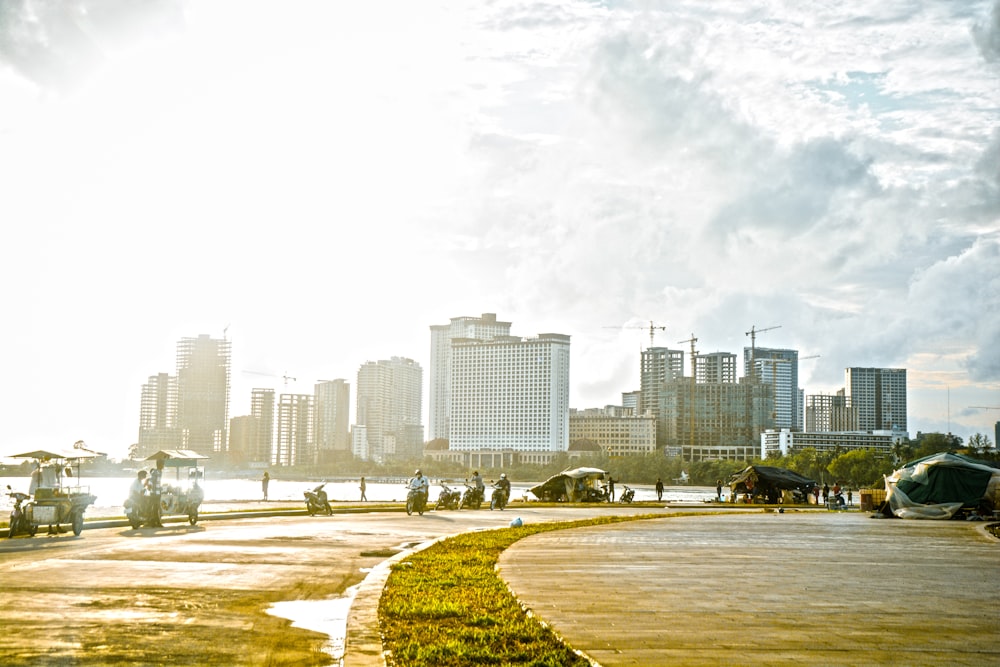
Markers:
<point>783,442</point>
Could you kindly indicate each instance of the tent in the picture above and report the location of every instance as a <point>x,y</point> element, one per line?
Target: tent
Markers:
<point>576,485</point>
<point>939,485</point>
<point>768,482</point>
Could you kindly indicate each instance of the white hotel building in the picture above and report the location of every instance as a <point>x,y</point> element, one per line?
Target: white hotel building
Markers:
<point>510,394</point>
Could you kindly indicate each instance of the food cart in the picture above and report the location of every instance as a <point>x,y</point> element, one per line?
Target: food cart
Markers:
<point>58,496</point>
<point>181,492</point>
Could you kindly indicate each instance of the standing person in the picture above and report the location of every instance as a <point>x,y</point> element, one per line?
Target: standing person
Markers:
<point>155,489</point>
<point>611,488</point>
<point>850,498</point>
<point>364,486</point>
<point>659,489</point>
<point>264,482</point>
<point>718,490</point>
<point>477,482</point>
<point>816,494</point>
<point>826,493</point>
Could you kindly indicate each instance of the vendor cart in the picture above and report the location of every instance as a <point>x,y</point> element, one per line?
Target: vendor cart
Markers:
<point>181,492</point>
<point>58,497</point>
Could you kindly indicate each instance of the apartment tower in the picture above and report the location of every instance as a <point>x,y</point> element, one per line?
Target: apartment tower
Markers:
<point>879,396</point>
<point>510,393</point>
<point>478,328</point>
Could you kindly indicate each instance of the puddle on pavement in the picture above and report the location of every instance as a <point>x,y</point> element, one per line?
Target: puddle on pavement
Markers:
<point>326,616</point>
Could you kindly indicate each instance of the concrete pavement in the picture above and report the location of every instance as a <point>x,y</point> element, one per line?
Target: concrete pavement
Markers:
<point>802,588</point>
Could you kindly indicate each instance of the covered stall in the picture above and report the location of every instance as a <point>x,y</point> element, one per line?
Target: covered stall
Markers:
<point>938,486</point>
<point>58,495</point>
<point>769,484</point>
<point>575,486</point>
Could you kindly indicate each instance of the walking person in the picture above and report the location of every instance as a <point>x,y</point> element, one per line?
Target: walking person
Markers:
<point>659,489</point>
<point>364,486</point>
<point>155,490</point>
<point>264,482</point>
<point>718,490</point>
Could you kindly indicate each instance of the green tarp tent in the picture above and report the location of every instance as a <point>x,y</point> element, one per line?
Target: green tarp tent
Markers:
<point>937,486</point>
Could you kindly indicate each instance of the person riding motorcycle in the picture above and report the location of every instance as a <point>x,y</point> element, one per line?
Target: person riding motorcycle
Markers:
<point>503,486</point>
<point>420,484</point>
<point>138,488</point>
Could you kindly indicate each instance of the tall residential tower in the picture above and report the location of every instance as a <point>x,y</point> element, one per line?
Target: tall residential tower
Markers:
<point>478,328</point>
<point>510,393</point>
<point>879,397</point>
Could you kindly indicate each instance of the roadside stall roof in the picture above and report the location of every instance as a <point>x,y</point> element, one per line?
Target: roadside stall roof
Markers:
<point>562,484</point>
<point>779,478</point>
<point>176,457</point>
<point>56,454</point>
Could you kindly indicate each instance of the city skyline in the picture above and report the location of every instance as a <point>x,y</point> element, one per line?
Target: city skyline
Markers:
<point>320,186</point>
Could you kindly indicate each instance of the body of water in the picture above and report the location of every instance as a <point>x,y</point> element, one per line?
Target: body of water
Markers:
<point>111,492</point>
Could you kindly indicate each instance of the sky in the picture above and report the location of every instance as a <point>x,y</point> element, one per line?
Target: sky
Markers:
<point>321,182</point>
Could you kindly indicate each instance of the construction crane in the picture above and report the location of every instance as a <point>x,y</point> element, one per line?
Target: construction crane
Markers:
<point>753,345</point>
<point>286,377</point>
<point>984,407</point>
<point>653,328</point>
<point>694,372</point>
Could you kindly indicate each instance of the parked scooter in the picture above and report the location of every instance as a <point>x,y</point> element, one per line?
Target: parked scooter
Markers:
<point>449,499</point>
<point>472,498</point>
<point>627,495</point>
<point>18,519</point>
<point>316,501</point>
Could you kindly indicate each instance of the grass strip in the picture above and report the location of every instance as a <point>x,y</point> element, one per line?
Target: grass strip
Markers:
<point>446,606</point>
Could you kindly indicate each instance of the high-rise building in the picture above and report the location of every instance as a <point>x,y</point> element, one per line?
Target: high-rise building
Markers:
<point>203,393</point>
<point>510,393</point>
<point>262,409</point>
<point>879,396</point>
<point>778,368</point>
<point>658,366</point>
<point>333,420</point>
<point>158,416</point>
<point>715,367</point>
<point>830,412</point>
<point>294,440</point>
<point>713,420</point>
<point>243,438</point>
<point>630,400</point>
<point>388,406</point>
<point>480,328</point>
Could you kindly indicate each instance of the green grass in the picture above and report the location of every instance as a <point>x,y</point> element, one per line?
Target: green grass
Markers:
<point>446,606</point>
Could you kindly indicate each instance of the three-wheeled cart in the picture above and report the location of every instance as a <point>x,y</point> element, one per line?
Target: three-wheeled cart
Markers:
<point>181,492</point>
<point>58,496</point>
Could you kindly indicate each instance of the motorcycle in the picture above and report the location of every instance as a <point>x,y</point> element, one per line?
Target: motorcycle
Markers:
<point>498,499</point>
<point>449,499</point>
<point>18,519</point>
<point>316,501</point>
<point>416,501</point>
<point>472,498</point>
<point>627,495</point>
